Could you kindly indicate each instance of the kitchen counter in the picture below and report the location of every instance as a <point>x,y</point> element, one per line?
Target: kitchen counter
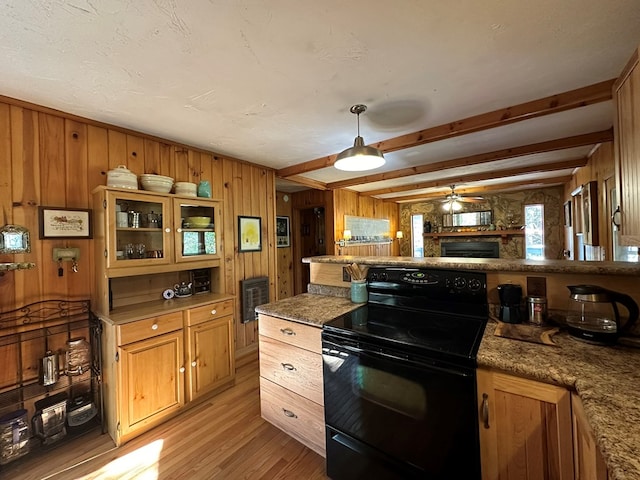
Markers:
<point>489,264</point>
<point>607,379</point>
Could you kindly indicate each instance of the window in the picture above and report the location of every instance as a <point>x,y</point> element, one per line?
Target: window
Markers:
<point>534,232</point>
<point>417,240</point>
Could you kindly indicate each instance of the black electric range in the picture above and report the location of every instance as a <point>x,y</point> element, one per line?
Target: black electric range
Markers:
<point>399,377</point>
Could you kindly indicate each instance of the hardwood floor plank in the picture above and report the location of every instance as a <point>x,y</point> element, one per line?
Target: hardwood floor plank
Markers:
<point>222,438</point>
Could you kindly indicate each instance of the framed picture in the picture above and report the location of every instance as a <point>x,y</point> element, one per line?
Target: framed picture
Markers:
<point>249,234</point>
<point>283,237</point>
<point>567,213</point>
<point>58,222</point>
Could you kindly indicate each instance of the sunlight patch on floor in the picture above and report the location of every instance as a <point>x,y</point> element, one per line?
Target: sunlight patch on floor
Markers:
<point>141,464</point>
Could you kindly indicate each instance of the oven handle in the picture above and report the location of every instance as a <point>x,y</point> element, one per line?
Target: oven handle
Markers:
<point>389,356</point>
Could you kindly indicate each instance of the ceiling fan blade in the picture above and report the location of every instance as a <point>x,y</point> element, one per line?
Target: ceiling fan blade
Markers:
<point>471,199</point>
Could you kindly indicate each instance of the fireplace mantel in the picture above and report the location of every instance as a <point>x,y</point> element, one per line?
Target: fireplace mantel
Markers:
<point>504,234</point>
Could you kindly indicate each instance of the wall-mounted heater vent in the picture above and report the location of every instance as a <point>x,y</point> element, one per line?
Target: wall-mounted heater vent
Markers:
<point>255,291</point>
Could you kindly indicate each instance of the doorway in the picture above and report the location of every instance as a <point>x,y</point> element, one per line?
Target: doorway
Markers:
<point>312,243</point>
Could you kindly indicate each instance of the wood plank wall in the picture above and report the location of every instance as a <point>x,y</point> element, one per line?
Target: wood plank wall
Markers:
<point>348,202</point>
<point>601,168</point>
<point>51,158</point>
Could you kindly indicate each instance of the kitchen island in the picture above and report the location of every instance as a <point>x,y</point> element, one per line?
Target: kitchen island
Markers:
<point>605,378</point>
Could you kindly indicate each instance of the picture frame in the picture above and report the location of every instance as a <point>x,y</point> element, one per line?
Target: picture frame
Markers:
<point>59,222</point>
<point>249,234</point>
<point>567,213</point>
<point>283,232</point>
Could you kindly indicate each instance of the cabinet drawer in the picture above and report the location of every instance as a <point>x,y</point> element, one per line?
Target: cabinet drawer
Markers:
<point>294,368</point>
<point>293,414</point>
<point>209,312</point>
<point>147,328</point>
<point>296,334</point>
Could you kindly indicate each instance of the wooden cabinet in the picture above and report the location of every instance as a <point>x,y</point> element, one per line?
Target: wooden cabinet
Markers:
<point>151,375</point>
<point>157,365</point>
<point>291,390</point>
<point>588,461</point>
<point>525,428</point>
<point>210,363</point>
<point>626,96</point>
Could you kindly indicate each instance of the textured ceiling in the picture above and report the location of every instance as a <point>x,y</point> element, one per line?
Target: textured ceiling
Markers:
<point>271,82</point>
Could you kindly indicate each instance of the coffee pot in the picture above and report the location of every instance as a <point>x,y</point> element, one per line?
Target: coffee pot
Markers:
<point>593,313</point>
<point>510,302</point>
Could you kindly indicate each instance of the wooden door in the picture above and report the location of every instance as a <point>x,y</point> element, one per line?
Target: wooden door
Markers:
<point>525,429</point>
<point>627,135</point>
<point>151,374</point>
<point>589,464</point>
<point>210,357</point>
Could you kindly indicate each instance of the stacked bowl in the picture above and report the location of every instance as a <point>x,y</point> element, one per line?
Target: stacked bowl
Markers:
<point>186,189</point>
<point>156,183</point>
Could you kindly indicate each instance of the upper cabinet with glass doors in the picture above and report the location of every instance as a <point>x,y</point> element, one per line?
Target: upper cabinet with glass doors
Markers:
<point>196,221</point>
<point>144,232</point>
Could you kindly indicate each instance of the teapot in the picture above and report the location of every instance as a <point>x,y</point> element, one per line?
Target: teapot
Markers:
<point>183,289</point>
<point>594,316</point>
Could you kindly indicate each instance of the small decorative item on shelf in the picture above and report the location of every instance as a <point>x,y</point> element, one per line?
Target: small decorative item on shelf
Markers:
<point>204,189</point>
<point>358,275</point>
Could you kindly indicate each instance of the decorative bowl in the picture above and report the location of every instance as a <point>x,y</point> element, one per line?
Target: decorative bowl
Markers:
<point>198,222</point>
<point>186,188</point>
<point>122,177</point>
<point>156,183</point>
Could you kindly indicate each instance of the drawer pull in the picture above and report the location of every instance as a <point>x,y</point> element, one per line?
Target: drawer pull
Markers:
<point>194,364</point>
<point>167,230</point>
<point>182,369</point>
<point>214,311</point>
<point>287,331</point>
<point>288,366</point>
<point>154,326</point>
<point>289,413</point>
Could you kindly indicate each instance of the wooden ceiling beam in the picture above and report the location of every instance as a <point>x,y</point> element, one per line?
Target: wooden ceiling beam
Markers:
<point>502,187</point>
<point>542,147</point>
<point>580,97</point>
<point>308,182</point>
<point>476,177</point>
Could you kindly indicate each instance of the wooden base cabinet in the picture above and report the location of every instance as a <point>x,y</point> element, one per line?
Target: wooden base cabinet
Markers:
<point>209,348</point>
<point>588,461</point>
<point>525,429</point>
<point>155,366</point>
<point>291,390</point>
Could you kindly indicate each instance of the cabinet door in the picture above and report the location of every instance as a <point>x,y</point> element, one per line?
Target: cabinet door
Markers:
<point>210,356</point>
<point>525,429</point>
<point>589,464</point>
<point>151,373</point>
<point>627,135</point>
<point>136,235</point>
<point>196,222</point>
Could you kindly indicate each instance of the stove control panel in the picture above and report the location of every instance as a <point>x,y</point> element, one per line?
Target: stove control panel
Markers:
<point>424,280</point>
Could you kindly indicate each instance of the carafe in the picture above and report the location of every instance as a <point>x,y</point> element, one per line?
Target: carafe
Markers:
<point>593,313</point>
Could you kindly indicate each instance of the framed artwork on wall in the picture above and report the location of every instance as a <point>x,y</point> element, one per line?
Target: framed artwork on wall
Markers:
<point>58,222</point>
<point>249,234</point>
<point>283,236</point>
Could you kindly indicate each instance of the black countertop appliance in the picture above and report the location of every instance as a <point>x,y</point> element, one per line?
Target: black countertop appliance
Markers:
<point>510,302</point>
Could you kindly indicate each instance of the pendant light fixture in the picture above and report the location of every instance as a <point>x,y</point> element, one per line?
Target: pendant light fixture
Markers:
<point>359,157</point>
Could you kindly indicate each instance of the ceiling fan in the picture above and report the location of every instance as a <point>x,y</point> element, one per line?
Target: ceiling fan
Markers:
<point>452,202</point>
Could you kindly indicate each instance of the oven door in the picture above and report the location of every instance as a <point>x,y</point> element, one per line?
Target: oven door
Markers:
<point>393,416</point>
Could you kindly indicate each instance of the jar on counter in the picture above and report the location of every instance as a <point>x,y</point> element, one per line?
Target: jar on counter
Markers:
<point>537,310</point>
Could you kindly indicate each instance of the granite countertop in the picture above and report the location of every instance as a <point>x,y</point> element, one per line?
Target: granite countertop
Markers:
<point>488,264</point>
<point>607,379</point>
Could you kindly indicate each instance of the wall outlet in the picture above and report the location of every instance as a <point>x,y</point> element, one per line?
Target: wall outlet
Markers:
<point>345,275</point>
<point>536,286</point>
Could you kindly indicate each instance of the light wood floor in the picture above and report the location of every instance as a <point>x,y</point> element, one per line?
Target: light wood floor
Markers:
<point>224,438</point>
